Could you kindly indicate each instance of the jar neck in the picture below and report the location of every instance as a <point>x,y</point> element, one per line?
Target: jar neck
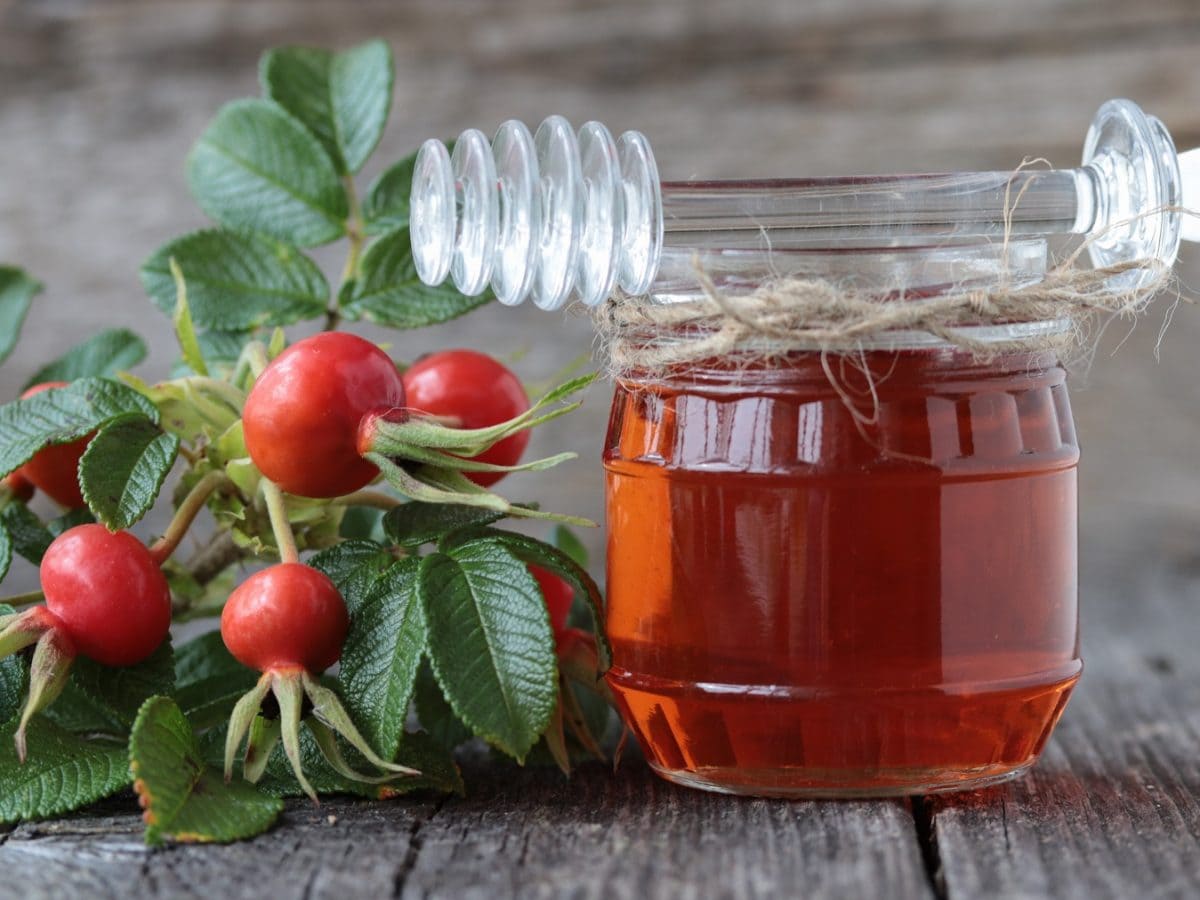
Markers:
<point>914,369</point>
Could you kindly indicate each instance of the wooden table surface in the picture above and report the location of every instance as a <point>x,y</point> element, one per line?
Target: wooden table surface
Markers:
<point>99,102</point>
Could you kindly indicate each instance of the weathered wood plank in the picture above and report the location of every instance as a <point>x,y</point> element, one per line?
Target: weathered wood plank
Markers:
<point>633,836</point>
<point>1112,810</point>
<point>340,850</point>
<point>525,833</point>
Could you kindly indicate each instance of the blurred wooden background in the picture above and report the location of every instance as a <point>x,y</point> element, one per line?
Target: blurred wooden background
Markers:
<point>100,101</point>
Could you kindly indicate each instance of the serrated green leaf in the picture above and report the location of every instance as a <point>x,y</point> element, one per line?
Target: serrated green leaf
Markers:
<point>342,98</point>
<point>29,536</point>
<point>185,799</point>
<point>490,643</point>
<point>256,168</point>
<point>381,655</point>
<point>386,205</point>
<point>124,467</point>
<point>204,657</point>
<point>61,415</point>
<point>415,523</point>
<point>236,281</point>
<point>76,712</point>
<point>121,691</point>
<point>102,355</point>
<point>436,716</point>
<point>12,678</point>
<point>62,773</point>
<point>388,290</point>
<point>531,550</point>
<point>209,701</point>
<point>17,291</point>
<point>353,566</point>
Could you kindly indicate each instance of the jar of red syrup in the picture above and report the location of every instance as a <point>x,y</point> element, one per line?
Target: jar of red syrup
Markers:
<point>851,574</point>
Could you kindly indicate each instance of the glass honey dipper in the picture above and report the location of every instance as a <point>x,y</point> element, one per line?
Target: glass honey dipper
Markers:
<point>557,215</point>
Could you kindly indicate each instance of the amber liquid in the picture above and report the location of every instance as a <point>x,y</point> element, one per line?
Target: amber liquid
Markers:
<point>806,600</point>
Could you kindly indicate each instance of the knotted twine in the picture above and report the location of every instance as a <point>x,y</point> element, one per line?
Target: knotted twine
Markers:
<point>802,313</point>
<point>639,335</point>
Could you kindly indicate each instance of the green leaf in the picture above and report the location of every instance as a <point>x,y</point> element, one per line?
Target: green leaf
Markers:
<point>210,701</point>
<point>256,168</point>
<point>76,712</point>
<point>353,566</point>
<point>222,346</point>
<point>124,467</point>
<point>381,655</point>
<point>204,657</point>
<point>434,713</point>
<point>12,679</point>
<point>185,799</point>
<point>568,542</point>
<point>61,415</point>
<point>490,642</point>
<point>237,282</point>
<point>62,773</point>
<point>386,205</point>
<point>104,354</point>
<point>531,550</point>
<point>435,763</point>
<point>17,291</point>
<point>415,523</point>
<point>29,536</point>
<point>121,691</point>
<point>342,98</point>
<point>209,681</point>
<point>388,290</point>
<point>363,523</point>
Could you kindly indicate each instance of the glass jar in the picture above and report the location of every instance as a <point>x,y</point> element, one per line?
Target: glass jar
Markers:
<point>849,576</point>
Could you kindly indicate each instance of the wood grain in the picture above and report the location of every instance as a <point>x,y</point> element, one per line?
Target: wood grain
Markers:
<point>519,833</point>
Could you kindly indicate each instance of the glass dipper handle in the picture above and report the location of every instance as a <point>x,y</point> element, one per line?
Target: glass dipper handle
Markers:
<point>560,214</point>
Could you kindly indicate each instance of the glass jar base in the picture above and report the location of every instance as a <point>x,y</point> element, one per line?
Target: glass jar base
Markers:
<point>791,784</point>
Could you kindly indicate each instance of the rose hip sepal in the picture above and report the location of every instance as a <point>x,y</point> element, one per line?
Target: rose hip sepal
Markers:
<point>471,390</point>
<point>289,622</point>
<point>428,460</point>
<point>106,599</point>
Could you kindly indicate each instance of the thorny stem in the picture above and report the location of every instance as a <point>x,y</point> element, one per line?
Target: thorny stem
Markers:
<point>376,499</point>
<point>277,508</point>
<point>162,549</point>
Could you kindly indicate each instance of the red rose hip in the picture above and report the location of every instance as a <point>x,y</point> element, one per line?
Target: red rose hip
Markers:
<point>302,416</point>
